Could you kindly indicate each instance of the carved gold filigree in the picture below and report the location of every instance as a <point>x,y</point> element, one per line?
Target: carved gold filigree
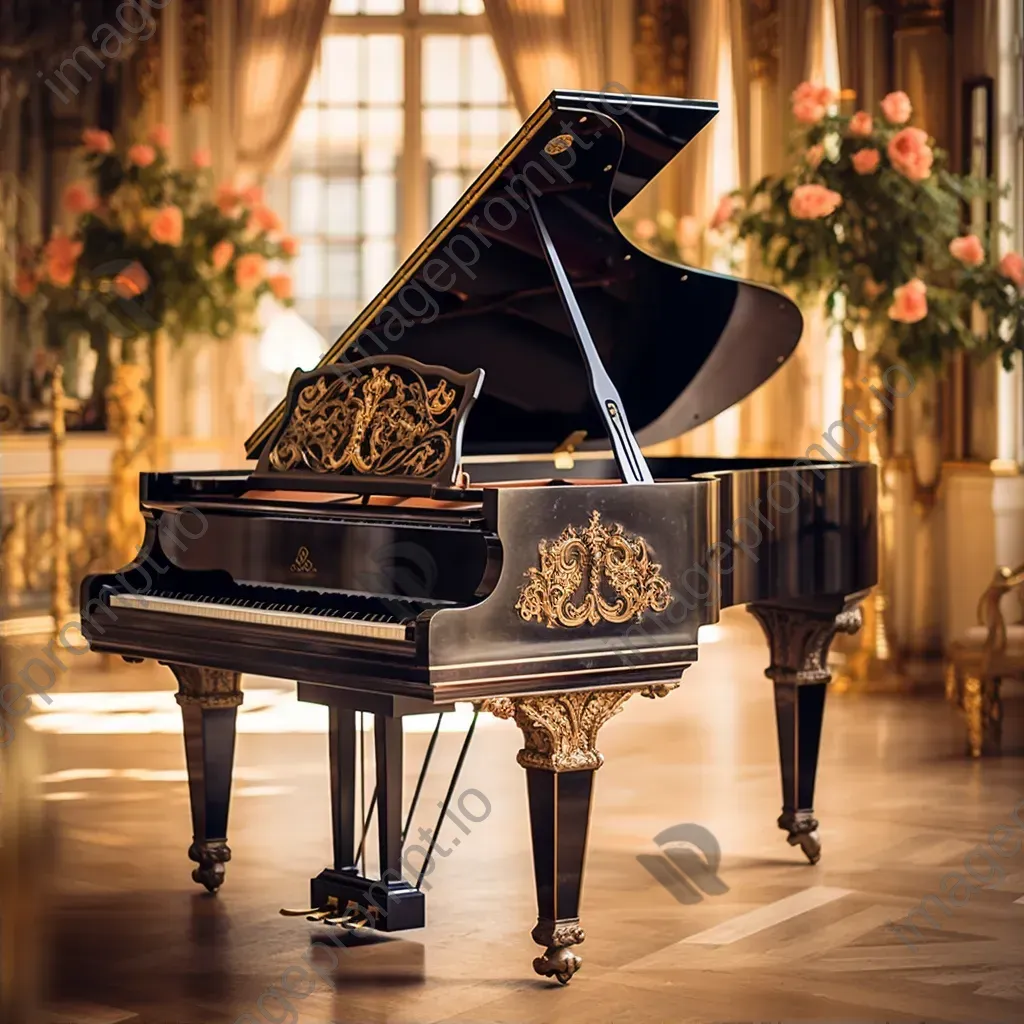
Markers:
<point>560,730</point>
<point>207,687</point>
<point>377,424</point>
<point>569,587</point>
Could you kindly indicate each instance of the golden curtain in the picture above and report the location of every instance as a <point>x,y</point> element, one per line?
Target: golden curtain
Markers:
<point>277,43</point>
<point>549,44</point>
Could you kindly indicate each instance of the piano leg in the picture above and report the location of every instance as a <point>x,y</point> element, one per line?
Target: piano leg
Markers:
<point>799,639</point>
<point>560,757</point>
<point>209,699</point>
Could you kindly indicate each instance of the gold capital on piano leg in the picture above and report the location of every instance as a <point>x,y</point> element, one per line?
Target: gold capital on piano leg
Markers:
<point>208,687</point>
<point>560,730</point>
<point>560,756</point>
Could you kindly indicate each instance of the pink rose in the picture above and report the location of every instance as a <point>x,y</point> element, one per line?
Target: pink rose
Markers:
<point>262,218</point>
<point>251,196</point>
<point>812,202</point>
<point>289,246</point>
<point>141,155</point>
<point>909,302</point>
<point>645,230</point>
<point>167,225</point>
<point>688,232</point>
<point>1012,266</point>
<point>910,153</point>
<point>132,281</point>
<point>160,135</point>
<point>220,255</point>
<point>896,107</point>
<point>281,286</point>
<point>201,159</point>
<point>61,255</point>
<point>227,198</point>
<point>968,250</point>
<point>865,161</point>
<point>25,283</point>
<point>723,212</point>
<point>97,141</point>
<point>249,271</point>
<point>814,155</point>
<point>872,289</point>
<point>861,124</point>
<point>811,102</point>
<point>79,198</point>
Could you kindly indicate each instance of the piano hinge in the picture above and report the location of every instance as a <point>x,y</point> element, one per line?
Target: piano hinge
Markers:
<point>563,452</point>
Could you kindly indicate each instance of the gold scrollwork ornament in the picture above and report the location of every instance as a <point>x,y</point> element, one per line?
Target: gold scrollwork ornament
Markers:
<point>377,424</point>
<point>569,587</point>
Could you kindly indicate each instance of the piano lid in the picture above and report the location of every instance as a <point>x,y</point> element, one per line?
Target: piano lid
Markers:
<point>681,344</point>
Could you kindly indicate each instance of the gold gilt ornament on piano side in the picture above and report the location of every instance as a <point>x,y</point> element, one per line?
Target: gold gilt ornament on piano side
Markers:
<point>579,568</point>
<point>387,422</point>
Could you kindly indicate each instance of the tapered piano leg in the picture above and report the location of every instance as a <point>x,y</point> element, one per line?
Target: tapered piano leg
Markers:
<point>209,699</point>
<point>799,640</point>
<point>560,757</point>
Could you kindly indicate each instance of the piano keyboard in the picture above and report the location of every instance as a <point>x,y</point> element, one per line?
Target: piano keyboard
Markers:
<point>261,613</point>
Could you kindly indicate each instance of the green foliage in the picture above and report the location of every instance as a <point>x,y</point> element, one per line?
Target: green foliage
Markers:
<point>887,230</point>
<point>152,249</point>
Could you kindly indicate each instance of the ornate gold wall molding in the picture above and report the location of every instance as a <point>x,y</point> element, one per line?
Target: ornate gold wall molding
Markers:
<point>195,70</point>
<point>661,53</point>
<point>763,26</point>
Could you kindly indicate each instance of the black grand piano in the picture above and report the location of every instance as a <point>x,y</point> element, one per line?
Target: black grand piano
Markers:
<point>454,506</point>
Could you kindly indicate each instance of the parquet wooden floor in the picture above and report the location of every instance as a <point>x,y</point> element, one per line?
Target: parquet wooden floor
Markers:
<point>766,937</point>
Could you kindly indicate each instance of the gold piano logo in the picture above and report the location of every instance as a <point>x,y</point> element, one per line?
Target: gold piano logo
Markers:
<point>598,573</point>
<point>303,563</point>
<point>559,144</point>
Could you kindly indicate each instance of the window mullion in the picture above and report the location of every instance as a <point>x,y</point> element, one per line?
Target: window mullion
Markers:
<point>413,211</point>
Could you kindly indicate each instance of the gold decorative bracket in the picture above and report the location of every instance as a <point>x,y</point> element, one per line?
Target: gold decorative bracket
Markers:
<point>207,688</point>
<point>593,574</point>
<point>386,424</point>
<point>560,730</point>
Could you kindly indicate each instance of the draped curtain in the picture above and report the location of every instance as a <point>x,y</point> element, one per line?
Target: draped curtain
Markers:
<point>549,44</point>
<point>277,43</point>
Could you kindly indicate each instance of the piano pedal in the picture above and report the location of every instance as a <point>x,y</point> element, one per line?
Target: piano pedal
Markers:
<point>314,913</point>
<point>353,917</point>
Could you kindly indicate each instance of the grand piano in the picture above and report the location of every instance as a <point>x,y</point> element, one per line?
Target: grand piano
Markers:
<point>455,506</point>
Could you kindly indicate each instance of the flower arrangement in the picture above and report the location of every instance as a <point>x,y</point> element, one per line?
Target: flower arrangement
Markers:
<point>155,247</point>
<point>871,215</point>
<point>686,240</point>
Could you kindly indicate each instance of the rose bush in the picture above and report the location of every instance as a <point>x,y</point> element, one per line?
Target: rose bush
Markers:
<point>870,215</point>
<point>155,247</point>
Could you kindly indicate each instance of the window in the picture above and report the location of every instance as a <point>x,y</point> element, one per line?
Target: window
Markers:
<point>407,105</point>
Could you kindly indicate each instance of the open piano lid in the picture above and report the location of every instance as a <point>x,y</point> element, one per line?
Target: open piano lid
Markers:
<point>681,345</point>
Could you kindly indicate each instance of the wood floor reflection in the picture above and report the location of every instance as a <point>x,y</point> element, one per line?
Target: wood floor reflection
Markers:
<point>763,937</point>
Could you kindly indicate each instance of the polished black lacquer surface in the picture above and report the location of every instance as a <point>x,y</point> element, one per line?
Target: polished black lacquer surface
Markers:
<point>681,344</point>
